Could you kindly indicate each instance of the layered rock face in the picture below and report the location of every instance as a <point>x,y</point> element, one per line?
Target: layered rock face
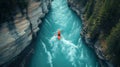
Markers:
<point>101,20</point>
<point>77,5</point>
<point>17,34</point>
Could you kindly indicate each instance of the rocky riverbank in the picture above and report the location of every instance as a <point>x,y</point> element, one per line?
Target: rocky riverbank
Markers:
<point>79,8</point>
<point>17,34</point>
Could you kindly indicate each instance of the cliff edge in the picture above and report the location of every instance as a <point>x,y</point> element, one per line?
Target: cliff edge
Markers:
<point>19,21</point>
<point>101,28</point>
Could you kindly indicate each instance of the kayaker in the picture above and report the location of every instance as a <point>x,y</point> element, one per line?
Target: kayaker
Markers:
<point>59,33</point>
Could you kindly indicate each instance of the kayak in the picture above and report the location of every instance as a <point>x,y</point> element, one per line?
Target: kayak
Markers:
<point>59,35</point>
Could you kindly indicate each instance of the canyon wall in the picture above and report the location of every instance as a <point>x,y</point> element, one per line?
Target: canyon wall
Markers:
<point>101,28</point>
<point>19,21</point>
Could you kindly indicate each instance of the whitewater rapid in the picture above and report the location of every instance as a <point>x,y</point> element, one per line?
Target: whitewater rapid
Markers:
<point>70,50</point>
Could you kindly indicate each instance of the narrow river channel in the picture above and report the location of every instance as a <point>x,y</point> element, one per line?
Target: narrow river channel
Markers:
<point>70,50</point>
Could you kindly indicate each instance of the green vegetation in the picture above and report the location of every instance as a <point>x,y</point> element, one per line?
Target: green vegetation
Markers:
<point>89,8</point>
<point>103,22</point>
<point>113,42</point>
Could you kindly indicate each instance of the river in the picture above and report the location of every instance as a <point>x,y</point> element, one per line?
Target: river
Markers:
<point>70,50</point>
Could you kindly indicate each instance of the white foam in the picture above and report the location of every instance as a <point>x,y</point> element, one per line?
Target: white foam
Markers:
<point>81,54</point>
<point>48,53</point>
<point>69,49</point>
<point>69,43</point>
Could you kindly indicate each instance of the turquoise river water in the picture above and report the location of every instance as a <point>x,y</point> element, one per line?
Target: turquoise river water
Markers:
<point>70,50</point>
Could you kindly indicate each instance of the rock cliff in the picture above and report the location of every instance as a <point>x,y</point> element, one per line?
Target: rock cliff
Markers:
<point>101,19</point>
<point>18,28</point>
